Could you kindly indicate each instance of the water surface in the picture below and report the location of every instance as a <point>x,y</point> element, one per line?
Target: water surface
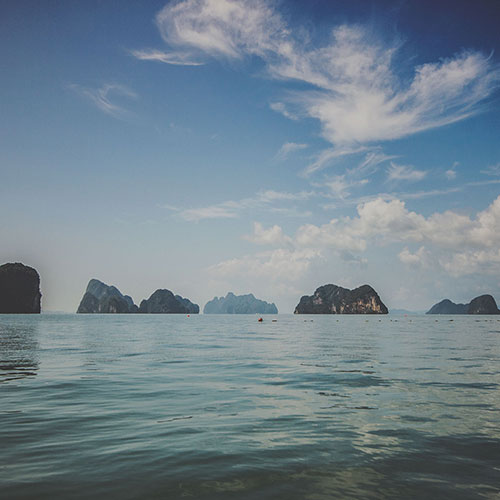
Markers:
<point>223,407</point>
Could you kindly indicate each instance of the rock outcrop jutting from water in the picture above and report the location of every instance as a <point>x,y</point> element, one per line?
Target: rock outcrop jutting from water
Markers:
<point>19,289</point>
<point>484,304</point>
<point>102,298</point>
<point>165,302</point>
<point>239,304</point>
<point>333,299</point>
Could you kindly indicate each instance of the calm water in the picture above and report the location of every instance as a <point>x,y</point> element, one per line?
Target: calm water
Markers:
<point>217,407</point>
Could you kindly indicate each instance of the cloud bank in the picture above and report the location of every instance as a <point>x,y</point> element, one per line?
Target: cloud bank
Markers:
<point>447,241</point>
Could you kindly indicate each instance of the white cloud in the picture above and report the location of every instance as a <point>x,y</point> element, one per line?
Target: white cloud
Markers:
<point>359,97</point>
<point>101,97</point>
<point>331,235</point>
<point>279,107</point>
<point>222,28</point>
<point>280,264</point>
<point>288,148</point>
<point>404,173</point>
<point>453,237</point>
<point>449,237</point>
<point>272,236</point>
<point>416,259</point>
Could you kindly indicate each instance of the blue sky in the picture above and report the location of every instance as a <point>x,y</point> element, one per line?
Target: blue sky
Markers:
<point>254,146</point>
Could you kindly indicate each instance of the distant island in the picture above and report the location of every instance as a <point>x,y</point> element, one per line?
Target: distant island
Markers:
<point>20,293</point>
<point>19,289</point>
<point>484,304</point>
<point>400,312</point>
<point>333,299</point>
<point>165,302</point>
<point>239,304</point>
<point>102,298</point>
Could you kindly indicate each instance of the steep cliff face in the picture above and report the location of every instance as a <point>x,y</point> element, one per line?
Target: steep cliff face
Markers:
<point>165,302</point>
<point>239,304</point>
<point>19,289</point>
<point>333,299</point>
<point>102,298</point>
<point>446,306</point>
<point>484,304</point>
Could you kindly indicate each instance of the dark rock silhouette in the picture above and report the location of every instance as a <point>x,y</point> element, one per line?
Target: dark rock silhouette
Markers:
<point>484,304</point>
<point>102,298</point>
<point>333,299</point>
<point>446,306</point>
<point>191,308</point>
<point>164,301</point>
<point>239,304</point>
<point>19,289</point>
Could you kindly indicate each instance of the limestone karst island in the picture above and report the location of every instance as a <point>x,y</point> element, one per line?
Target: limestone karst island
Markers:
<point>19,289</point>
<point>20,293</point>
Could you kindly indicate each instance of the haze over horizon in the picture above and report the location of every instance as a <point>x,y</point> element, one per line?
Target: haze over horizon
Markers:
<point>252,146</point>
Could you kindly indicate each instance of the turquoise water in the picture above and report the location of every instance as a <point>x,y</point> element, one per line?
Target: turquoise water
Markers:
<point>219,407</point>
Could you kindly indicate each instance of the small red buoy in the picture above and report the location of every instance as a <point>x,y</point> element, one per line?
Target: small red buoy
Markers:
<point>260,320</point>
<point>188,315</point>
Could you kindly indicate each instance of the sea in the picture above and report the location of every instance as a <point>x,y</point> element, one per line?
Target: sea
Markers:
<point>225,407</point>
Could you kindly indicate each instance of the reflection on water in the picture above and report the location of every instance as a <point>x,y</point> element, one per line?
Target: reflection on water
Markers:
<point>18,348</point>
<point>226,408</point>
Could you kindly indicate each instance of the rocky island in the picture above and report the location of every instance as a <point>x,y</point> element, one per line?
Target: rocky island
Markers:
<point>102,298</point>
<point>19,289</point>
<point>446,306</point>
<point>165,302</point>
<point>333,299</point>
<point>239,304</point>
<point>484,304</point>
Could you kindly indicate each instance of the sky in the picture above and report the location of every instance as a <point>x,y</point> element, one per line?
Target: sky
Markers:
<point>252,146</point>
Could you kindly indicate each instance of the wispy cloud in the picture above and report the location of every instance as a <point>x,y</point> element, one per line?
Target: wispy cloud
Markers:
<point>358,95</point>
<point>451,173</point>
<point>371,162</point>
<point>175,58</point>
<point>265,200</point>
<point>328,156</point>
<point>492,170</point>
<point>212,212</point>
<point>279,107</point>
<point>404,173</point>
<point>416,195</point>
<point>339,186</point>
<point>104,97</point>
<point>287,149</point>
